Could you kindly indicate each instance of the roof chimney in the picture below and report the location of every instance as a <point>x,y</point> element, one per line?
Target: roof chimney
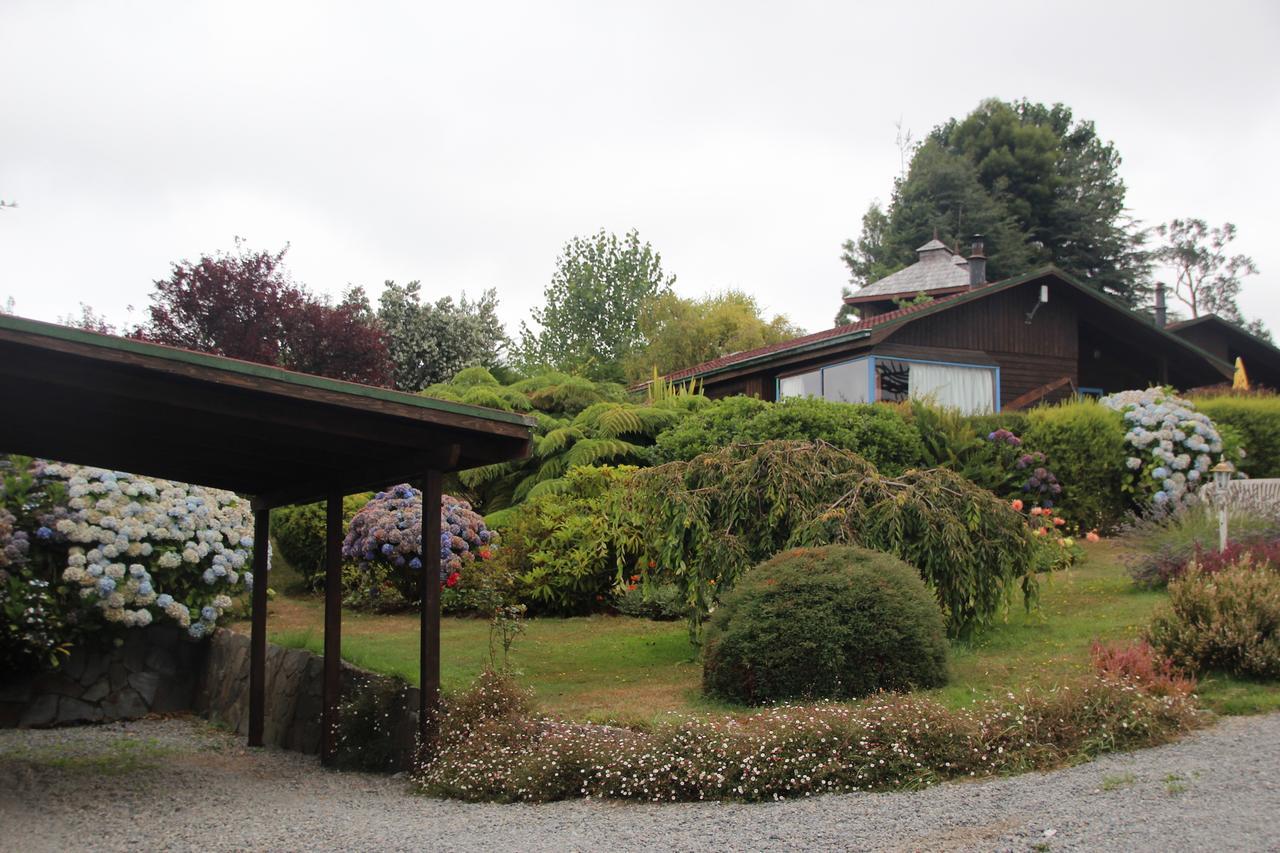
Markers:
<point>1161,315</point>
<point>977,263</point>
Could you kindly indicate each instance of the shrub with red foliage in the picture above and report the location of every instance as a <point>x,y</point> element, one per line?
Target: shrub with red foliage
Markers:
<point>1258,554</point>
<point>1140,665</point>
<point>245,305</point>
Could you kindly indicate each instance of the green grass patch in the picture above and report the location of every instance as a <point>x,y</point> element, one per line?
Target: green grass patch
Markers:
<point>1118,781</point>
<point>626,670</point>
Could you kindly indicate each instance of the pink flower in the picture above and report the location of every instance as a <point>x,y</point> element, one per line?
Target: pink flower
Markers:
<point>1016,503</point>
<point>1092,536</point>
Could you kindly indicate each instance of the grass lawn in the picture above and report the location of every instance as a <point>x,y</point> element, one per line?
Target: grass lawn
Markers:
<point>633,670</point>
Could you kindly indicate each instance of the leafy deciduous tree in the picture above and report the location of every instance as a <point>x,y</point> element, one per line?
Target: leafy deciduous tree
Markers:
<point>590,323</point>
<point>245,305</point>
<point>1207,279</point>
<point>430,342</point>
<point>683,332</point>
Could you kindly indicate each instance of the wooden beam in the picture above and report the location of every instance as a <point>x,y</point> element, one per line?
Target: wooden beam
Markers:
<point>258,631</point>
<point>1037,394</point>
<point>429,622</point>
<point>374,475</point>
<point>332,629</point>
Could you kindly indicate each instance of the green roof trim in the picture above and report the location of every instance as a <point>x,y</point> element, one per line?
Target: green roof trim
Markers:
<point>248,368</point>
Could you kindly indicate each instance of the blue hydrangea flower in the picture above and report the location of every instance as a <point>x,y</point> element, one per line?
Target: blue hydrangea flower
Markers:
<point>209,577</point>
<point>196,630</point>
<point>415,564</point>
<point>144,588</point>
<point>164,600</point>
<point>209,614</point>
<point>106,586</point>
<point>43,532</point>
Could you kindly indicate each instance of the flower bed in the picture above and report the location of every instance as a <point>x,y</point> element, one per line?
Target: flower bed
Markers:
<point>492,749</point>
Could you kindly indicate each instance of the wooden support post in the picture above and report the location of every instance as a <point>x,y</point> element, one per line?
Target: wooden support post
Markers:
<point>332,629</point>
<point>258,631</point>
<point>429,595</point>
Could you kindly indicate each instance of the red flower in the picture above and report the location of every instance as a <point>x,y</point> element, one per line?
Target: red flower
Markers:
<point>653,564</point>
<point>452,580</point>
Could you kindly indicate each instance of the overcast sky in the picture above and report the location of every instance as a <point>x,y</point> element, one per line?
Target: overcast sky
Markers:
<point>463,143</point>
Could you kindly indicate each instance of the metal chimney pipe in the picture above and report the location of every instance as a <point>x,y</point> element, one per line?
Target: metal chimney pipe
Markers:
<point>1162,316</point>
<point>977,263</point>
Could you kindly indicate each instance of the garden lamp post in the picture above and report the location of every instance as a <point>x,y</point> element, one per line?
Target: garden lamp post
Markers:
<point>1222,486</point>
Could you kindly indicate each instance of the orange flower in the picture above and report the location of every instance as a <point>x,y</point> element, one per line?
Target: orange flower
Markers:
<point>632,586</point>
<point>1016,503</point>
<point>1059,521</point>
<point>1040,531</point>
<point>1092,536</point>
<point>1035,510</point>
<point>712,581</point>
<point>653,564</point>
<point>635,578</point>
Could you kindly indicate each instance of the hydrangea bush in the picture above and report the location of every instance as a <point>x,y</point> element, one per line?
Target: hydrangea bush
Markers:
<point>1021,470</point>
<point>141,549</point>
<point>387,533</point>
<point>90,547</point>
<point>1171,446</point>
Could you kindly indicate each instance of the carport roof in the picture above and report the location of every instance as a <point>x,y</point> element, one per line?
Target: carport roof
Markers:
<point>280,436</point>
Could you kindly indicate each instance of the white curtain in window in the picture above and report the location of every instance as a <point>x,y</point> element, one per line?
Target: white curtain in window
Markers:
<point>969,389</point>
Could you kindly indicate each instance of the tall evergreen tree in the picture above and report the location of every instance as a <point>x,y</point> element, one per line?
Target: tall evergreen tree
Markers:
<point>1040,185</point>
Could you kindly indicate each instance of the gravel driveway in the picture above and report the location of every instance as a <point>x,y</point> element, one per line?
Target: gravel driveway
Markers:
<point>180,784</point>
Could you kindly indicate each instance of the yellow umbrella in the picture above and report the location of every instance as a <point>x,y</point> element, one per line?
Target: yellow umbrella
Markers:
<point>1241,380</point>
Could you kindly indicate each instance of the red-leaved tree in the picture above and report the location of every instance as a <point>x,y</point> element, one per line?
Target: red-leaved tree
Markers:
<point>244,304</point>
<point>344,341</point>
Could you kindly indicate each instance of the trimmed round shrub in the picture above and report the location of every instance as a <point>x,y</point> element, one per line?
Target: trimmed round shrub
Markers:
<point>837,622</point>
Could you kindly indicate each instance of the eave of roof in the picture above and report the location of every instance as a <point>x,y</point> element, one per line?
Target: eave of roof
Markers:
<point>180,356</point>
<point>864,328</point>
<point>1226,325</point>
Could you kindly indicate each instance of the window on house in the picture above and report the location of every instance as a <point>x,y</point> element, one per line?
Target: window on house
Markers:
<point>972,390</point>
<point>846,383</point>
<point>840,383</point>
<point>802,385</point>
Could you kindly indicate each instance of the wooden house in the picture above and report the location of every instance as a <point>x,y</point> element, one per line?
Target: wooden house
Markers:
<point>1225,340</point>
<point>975,345</point>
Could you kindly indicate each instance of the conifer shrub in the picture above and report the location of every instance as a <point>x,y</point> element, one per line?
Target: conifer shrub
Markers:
<point>834,622</point>
<point>879,433</point>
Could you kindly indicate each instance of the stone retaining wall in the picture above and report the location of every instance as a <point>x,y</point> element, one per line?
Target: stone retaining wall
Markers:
<point>294,688</point>
<point>153,670</point>
<point>159,669</point>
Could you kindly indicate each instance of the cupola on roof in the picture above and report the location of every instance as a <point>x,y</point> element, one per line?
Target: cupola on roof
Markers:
<point>937,268</point>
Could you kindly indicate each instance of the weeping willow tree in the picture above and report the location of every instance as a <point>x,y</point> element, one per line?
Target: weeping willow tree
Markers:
<point>701,523</point>
<point>579,423</point>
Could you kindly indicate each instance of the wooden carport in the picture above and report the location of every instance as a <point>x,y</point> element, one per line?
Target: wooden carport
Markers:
<point>276,436</point>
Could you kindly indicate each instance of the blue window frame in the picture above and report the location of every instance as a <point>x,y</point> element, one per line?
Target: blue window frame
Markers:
<point>836,381</point>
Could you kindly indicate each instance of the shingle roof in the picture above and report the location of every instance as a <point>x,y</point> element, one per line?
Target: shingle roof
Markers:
<point>936,269</point>
<point>940,303</point>
<point>800,342</point>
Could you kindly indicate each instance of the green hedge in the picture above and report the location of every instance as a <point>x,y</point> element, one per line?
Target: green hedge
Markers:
<point>1085,441</point>
<point>298,531</point>
<point>1256,422</point>
<point>875,431</point>
<point>839,622</point>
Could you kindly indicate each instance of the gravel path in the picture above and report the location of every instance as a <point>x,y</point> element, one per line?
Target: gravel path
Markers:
<point>179,784</point>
